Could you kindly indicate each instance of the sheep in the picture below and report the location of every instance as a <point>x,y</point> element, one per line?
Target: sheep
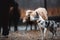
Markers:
<point>32,14</point>
<point>27,20</point>
<point>28,12</point>
<point>42,12</point>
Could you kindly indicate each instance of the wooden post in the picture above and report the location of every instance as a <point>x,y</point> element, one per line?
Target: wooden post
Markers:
<point>45,4</point>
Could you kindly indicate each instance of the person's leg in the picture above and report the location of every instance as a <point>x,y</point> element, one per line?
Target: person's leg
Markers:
<point>0,25</point>
<point>15,24</point>
<point>5,28</point>
<point>10,20</point>
<point>5,21</point>
<point>0,29</point>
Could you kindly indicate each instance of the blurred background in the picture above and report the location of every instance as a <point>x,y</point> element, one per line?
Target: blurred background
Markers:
<point>52,6</point>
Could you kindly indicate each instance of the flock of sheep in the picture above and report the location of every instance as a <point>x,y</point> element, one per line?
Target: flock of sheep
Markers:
<point>39,18</point>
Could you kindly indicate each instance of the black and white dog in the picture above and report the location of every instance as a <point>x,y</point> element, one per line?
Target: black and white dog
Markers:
<point>50,25</point>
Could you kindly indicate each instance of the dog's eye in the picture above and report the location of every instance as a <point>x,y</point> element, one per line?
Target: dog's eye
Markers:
<point>45,22</point>
<point>38,21</point>
<point>41,23</point>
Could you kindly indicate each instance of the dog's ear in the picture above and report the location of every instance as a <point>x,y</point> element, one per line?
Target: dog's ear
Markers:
<point>36,13</point>
<point>39,21</point>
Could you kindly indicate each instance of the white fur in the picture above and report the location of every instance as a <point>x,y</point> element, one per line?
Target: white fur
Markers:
<point>42,12</point>
<point>24,20</point>
<point>28,12</point>
<point>26,15</point>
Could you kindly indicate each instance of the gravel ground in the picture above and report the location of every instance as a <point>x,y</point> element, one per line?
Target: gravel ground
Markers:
<point>30,35</point>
